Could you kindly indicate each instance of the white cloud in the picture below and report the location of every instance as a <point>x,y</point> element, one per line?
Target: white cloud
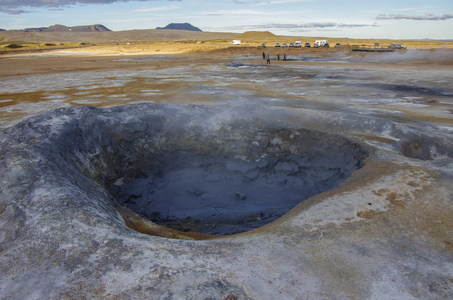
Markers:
<point>278,2</point>
<point>236,12</point>
<point>153,9</point>
<point>295,27</point>
<point>270,2</point>
<point>12,11</point>
<point>426,17</point>
<point>13,6</point>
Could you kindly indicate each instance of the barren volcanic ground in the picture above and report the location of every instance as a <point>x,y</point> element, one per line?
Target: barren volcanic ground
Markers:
<point>201,172</point>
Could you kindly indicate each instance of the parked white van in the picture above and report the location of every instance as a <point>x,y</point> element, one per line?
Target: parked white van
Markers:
<point>321,43</point>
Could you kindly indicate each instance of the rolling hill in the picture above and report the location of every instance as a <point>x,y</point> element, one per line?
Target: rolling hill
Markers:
<point>257,36</point>
<point>144,35</point>
<point>63,28</point>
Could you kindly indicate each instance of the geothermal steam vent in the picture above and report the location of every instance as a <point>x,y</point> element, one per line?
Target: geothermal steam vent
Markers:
<point>191,168</point>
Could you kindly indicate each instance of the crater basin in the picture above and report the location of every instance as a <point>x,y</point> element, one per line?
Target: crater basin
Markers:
<point>195,168</point>
<point>233,179</point>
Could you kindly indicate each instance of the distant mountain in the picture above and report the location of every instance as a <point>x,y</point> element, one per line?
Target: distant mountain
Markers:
<point>180,26</point>
<point>2,29</point>
<point>62,28</point>
<point>257,36</point>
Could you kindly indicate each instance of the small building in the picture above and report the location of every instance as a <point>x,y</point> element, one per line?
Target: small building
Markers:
<point>236,42</point>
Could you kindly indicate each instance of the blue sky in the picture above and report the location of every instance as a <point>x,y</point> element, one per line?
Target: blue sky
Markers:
<point>403,19</point>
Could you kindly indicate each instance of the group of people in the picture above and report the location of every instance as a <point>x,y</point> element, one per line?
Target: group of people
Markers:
<point>268,57</point>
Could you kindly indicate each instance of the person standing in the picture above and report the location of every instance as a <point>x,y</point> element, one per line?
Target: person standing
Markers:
<point>264,55</point>
<point>268,57</point>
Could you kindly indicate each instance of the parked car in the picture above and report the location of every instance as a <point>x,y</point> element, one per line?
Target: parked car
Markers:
<point>291,44</point>
<point>307,45</point>
<point>397,46</point>
<point>326,45</point>
<point>263,45</point>
<point>337,45</point>
<point>315,46</point>
<point>298,44</point>
<point>277,45</point>
<point>284,45</point>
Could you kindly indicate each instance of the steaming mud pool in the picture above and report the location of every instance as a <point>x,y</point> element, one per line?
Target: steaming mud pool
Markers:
<point>313,179</point>
<point>223,181</point>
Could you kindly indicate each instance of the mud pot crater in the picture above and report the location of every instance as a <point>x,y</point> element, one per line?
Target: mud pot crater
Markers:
<point>192,169</point>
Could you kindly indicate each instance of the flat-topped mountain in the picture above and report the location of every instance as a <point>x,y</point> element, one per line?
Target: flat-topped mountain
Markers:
<point>180,26</point>
<point>63,28</point>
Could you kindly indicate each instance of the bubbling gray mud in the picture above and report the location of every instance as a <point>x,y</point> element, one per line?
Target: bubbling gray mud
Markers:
<point>194,168</point>
<point>234,179</point>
